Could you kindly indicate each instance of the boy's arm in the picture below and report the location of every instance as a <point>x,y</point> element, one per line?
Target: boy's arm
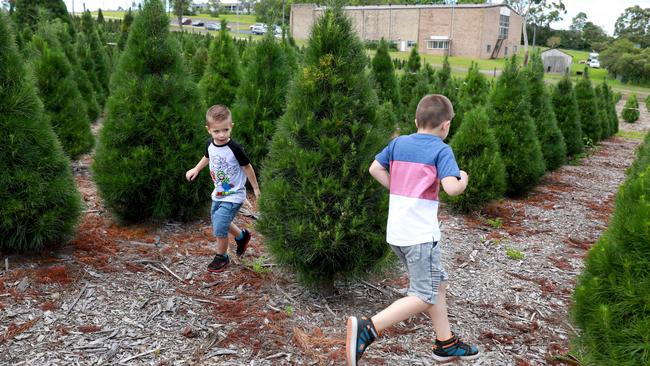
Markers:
<point>194,172</point>
<point>380,174</point>
<point>250,174</point>
<point>454,186</point>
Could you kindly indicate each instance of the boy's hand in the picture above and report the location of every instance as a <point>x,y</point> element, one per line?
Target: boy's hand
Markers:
<point>191,174</point>
<point>464,176</point>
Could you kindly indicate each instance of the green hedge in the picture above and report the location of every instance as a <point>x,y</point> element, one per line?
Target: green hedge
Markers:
<point>630,111</point>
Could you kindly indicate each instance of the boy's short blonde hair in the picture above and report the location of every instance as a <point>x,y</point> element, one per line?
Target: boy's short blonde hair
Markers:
<point>433,110</point>
<point>217,113</point>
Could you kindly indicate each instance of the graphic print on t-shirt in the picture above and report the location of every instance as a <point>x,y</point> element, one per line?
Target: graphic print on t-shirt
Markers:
<point>221,176</point>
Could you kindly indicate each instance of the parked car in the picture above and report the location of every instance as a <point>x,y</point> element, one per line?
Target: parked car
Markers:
<point>186,21</point>
<point>595,64</point>
<point>198,23</point>
<point>258,28</point>
<point>213,26</point>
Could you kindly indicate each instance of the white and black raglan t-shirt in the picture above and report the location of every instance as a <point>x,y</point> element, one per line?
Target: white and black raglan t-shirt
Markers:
<point>226,172</point>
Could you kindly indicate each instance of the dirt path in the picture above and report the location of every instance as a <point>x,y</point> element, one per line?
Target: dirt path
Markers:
<point>140,296</point>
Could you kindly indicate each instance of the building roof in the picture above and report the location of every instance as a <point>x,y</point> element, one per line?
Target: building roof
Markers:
<point>555,52</point>
<point>429,6</point>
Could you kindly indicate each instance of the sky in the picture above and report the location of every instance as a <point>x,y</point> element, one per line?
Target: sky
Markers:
<point>600,12</point>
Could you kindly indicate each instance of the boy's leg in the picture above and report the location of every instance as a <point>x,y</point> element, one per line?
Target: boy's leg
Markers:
<point>234,230</point>
<point>222,214</point>
<point>398,311</point>
<point>242,237</point>
<point>438,314</point>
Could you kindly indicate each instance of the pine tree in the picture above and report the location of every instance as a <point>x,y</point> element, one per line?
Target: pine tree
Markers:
<point>153,129</point>
<point>515,131</point>
<point>414,62</point>
<point>541,110</point>
<point>612,116</point>
<point>321,213</point>
<point>100,17</point>
<point>222,75</point>
<point>610,303</point>
<point>474,90</point>
<point>591,127</point>
<point>631,109</point>
<point>261,97</point>
<point>198,64</point>
<point>601,110</point>
<point>419,90</point>
<point>384,75</point>
<point>88,65</point>
<point>97,51</point>
<point>39,203</point>
<point>80,75</point>
<point>26,13</point>
<point>124,30</point>
<point>477,152</point>
<point>443,83</point>
<point>64,106</point>
<point>565,106</point>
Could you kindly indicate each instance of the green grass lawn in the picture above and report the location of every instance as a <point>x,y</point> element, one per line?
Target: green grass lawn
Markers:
<point>244,19</point>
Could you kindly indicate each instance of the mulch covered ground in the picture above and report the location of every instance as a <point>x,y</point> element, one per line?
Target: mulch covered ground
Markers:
<point>141,295</point>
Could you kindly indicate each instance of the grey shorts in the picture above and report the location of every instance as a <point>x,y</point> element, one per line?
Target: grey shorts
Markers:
<point>424,265</point>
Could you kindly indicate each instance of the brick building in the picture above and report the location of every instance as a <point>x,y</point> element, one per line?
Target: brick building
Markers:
<point>477,31</point>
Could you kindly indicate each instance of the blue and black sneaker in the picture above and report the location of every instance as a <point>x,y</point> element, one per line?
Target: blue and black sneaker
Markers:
<point>453,349</point>
<point>219,263</point>
<point>361,334</point>
<point>242,243</point>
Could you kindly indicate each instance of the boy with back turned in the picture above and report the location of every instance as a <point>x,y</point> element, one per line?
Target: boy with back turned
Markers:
<point>412,168</point>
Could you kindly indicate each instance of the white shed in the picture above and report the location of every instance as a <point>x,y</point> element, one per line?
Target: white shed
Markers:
<point>556,61</point>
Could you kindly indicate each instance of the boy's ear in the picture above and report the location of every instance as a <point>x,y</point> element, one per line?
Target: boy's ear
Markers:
<point>416,123</point>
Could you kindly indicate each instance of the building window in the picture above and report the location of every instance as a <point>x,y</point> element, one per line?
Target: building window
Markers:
<point>437,45</point>
<point>412,43</point>
<point>489,47</point>
<point>505,51</point>
<point>504,24</point>
<point>515,50</point>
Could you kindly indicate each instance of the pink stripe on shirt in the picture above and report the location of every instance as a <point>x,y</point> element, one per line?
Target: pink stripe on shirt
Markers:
<point>414,180</point>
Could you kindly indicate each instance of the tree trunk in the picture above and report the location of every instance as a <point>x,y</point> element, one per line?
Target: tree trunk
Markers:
<point>525,43</point>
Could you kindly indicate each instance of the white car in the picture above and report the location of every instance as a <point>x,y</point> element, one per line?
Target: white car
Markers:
<point>595,64</point>
<point>258,28</point>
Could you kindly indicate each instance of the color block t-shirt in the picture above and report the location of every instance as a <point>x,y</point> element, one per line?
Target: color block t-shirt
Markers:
<point>225,169</point>
<point>416,164</point>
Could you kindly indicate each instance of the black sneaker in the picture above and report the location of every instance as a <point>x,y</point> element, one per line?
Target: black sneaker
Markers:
<point>360,334</point>
<point>453,349</point>
<point>219,263</point>
<point>243,243</point>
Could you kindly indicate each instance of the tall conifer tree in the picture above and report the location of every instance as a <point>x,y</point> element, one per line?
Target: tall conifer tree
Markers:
<point>477,152</point>
<point>261,97</point>
<point>153,129</point>
<point>474,90</point>
<point>58,90</point>
<point>541,110</point>
<point>565,106</point>
<point>222,75</point>
<point>321,213</point>
<point>100,58</point>
<point>515,130</point>
<point>39,203</point>
<point>589,122</point>
<point>443,83</point>
<point>384,76</point>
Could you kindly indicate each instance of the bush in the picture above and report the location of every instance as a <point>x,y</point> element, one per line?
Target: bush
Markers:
<point>384,75</point>
<point>611,297</point>
<point>153,129</point>
<point>515,131</point>
<point>261,97</point>
<point>566,111</point>
<point>39,203</point>
<point>541,110</point>
<point>321,213</point>
<point>631,109</point>
<point>589,121</point>
<point>64,106</point>
<point>222,75</point>
<point>477,152</point>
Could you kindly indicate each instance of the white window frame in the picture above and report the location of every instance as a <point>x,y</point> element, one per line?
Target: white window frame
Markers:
<point>504,25</point>
<point>436,44</point>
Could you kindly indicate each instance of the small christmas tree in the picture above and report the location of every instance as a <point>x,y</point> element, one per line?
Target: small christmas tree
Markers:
<point>565,106</point>
<point>198,64</point>
<point>124,30</point>
<point>631,109</point>
<point>443,83</point>
<point>515,131</point>
<point>601,109</point>
<point>474,90</point>
<point>101,62</point>
<point>39,203</point>
<point>261,97</point>
<point>322,214</point>
<point>591,126</point>
<point>477,152</point>
<point>154,129</point>
<point>222,76</point>
<point>419,90</point>
<point>541,110</point>
<point>415,61</point>
<point>58,90</point>
<point>383,73</point>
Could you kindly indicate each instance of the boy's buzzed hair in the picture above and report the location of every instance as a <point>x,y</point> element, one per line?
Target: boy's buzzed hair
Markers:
<point>433,110</point>
<point>217,113</point>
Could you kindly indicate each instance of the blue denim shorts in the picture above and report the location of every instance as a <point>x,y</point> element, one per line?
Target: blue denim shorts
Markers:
<point>424,265</point>
<point>222,214</point>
